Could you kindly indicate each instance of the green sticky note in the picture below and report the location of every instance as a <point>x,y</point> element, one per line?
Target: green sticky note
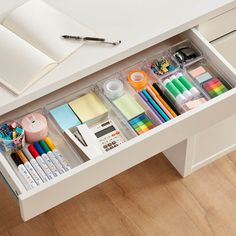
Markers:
<point>128,106</point>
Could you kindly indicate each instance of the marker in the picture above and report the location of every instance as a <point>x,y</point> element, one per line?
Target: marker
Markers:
<point>52,156</point>
<point>180,99</point>
<point>46,159</point>
<point>35,165</point>
<point>58,155</point>
<point>23,171</point>
<point>40,161</point>
<point>188,85</point>
<point>181,87</point>
<point>29,167</point>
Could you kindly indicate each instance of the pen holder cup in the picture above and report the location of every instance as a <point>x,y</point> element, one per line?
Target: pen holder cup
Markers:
<point>12,144</point>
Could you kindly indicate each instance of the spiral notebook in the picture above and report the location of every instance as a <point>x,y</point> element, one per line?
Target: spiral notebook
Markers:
<point>31,44</point>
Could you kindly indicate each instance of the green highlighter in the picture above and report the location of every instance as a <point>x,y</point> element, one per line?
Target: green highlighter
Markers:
<point>51,155</point>
<point>187,94</point>
<point>188,85</point>
<point>180,99</point>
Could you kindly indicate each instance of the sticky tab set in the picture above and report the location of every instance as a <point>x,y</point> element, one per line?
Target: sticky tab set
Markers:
<point>214,87</point>
<point>141,124</point>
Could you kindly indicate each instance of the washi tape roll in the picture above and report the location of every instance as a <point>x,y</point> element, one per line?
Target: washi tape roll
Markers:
<point>113,89</point>
<point>138,79</point>
<point>35,126</point>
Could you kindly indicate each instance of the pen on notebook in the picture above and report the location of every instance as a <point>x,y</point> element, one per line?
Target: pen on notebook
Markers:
<point>102,40</point>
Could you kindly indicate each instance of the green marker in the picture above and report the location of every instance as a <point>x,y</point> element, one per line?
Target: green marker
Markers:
<point>181,87</point>
<point>180,99</point>
<point>51,155</point>
<point>188,85</point>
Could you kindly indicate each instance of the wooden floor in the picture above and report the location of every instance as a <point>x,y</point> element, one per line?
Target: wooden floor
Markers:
<point>149,199</point>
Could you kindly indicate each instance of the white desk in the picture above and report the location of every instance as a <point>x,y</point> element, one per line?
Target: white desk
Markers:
<point>138,23</point>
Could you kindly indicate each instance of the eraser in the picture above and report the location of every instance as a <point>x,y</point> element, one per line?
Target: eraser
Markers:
<point>196,72</point>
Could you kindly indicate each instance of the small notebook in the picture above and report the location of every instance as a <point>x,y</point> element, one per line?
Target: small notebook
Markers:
<point>31,44</point>
<point>128,106</point>
<point>88,108</point>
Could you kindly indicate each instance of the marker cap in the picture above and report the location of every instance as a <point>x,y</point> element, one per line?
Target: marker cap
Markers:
<point>27,153</point>
<point>16,159</point>
<point>50,143</point>
<point>22,156</point>
<point>44,146</point>
<point>39,148</point>
<point>33,151</point>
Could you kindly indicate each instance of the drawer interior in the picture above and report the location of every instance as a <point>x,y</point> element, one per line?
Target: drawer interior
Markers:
<point>78,156</point>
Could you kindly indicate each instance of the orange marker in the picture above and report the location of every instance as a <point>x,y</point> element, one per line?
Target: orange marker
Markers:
<point>29,167</point>
<point>163,101</point>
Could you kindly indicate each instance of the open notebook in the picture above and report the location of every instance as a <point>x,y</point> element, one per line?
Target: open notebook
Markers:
<point>31,43</point>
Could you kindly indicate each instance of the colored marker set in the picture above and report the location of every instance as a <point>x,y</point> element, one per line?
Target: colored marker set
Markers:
<point>31,153</point>
<point>39,163</point>
<point>206,78</point>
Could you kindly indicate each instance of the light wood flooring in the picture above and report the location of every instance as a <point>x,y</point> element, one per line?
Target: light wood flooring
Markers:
<point>149,199</point>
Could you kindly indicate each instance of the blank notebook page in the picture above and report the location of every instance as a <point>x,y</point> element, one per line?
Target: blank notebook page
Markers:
<point>20,63</point>
<point>42,26</point>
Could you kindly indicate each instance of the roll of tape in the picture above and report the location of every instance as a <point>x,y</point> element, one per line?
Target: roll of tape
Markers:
<point>138,79</point>
<point>35,126</point>
<point>113,89</point>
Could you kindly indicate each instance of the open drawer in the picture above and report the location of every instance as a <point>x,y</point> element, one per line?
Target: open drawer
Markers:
<point>86,174</point>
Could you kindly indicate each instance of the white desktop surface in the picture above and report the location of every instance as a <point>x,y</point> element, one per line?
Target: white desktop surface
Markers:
<point>138,23</point>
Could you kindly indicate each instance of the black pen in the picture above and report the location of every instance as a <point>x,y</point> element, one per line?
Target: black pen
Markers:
<point>102,40</point>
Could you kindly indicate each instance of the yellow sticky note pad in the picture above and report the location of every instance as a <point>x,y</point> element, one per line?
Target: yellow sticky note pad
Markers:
<point>88,107</point>
<point>128,106</point>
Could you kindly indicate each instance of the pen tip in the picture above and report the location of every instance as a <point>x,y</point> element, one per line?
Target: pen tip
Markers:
<point>117,43</point>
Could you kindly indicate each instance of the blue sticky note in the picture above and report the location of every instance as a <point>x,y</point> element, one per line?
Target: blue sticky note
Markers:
<point>65,117</point>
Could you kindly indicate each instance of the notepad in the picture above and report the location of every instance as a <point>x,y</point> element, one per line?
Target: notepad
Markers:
<point>31,44</point>
<point>128,106</point>
<point>88,107</point>
<point>65,117</point>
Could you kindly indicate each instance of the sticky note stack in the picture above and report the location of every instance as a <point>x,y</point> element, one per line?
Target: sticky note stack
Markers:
<point>65,117</point>
<point>128,106</point>
<point>89,108</point>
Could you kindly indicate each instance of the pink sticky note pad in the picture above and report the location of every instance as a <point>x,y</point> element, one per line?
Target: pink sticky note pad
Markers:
<point>196,72</point>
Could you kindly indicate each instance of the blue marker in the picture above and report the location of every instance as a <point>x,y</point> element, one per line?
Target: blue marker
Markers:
<point>46,159</point>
